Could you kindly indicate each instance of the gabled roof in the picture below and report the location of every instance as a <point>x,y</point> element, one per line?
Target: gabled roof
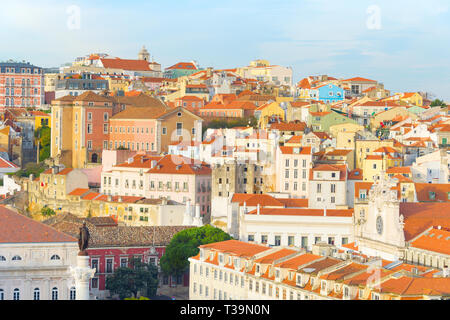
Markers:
<point>90,96</point>
<point>272,257</point>
<point>126,64</point>
<point>296,150</point>
<point>137,113</point>
<point>183,65</point>
<point>345,271</point>
<point>358,79</point>
<point>440,191</point>
<point>16,228</point>
<point>291,126</point>
<point>298,261</point>
<point>420,216</point>
<point>237,248</point>
<point>401,170</point>
<point>5,164</point>
<point>173,164</point>
<point>303,212</point>
<point>436,240</point>
<point>415,286</point>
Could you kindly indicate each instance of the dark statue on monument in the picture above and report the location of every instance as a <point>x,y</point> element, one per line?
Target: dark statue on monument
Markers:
<point>83,240</point>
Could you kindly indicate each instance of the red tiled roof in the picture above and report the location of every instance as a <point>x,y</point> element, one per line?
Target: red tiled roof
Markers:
<point>356,174</point>
<point>416,286</point>
<point>441,192</point>
<point>270,258</point>
<point>235,247</point>
<point>16,228</point>
<point>358,79</point>
<point>298,261</point>
<point>78,192</point>
<point>173,164</point>
<point>434,240</point>
<point>183,65</point>
<point>303,212</point>
<point>401,170</point>
<point>125,64</point>
<point>301,150</point>
<point>342,272</point>
<point>295,139</point>
<point>423,215</point>
<point>291,126</point>
<point>5,164</point>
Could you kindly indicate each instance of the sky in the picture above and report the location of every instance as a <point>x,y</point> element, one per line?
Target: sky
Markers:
<point>403,44</point>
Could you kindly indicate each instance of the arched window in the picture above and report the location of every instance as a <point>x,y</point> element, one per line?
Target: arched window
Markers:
<point>2,294</point>
<point>16,294</point>
<point>72,294</point>
<point>55,257</point>
<point>55,293</point>
<point>2,258</point>
<point>37,294</point>
<point>17,258</point>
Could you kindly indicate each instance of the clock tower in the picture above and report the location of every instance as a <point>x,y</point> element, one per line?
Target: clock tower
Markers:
<point>382,230</point>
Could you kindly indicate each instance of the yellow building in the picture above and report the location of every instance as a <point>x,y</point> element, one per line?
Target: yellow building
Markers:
<point>345,134</point>
<point>372,166</point>
<point>268,112</point>
<point>412,98</point>
<point>42,119</point>
<point>366,147</point>
<point>394,114</point>
<point>5,139</point>
<point>345,127</point>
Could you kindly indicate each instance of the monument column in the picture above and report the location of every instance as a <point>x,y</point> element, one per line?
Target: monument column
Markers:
<point>82,273</point>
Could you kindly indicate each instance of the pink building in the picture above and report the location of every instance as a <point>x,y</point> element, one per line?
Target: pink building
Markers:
<point>174,177</point>
<point>21,85</point>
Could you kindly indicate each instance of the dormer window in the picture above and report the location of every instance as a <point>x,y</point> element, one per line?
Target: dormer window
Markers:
<point>202,254</point>
<point>299,279</point>
<point>323,285</point>
<point>277,273</point>
<point>221,258</point>
<point>257,268</point>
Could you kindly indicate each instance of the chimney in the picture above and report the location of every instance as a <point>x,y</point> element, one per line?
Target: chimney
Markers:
<point>120,198</point>
<point>154,162</point>
<point>109,198</point>
<point>245,207</point>
<point>31,177</point>
<point>258,209</point>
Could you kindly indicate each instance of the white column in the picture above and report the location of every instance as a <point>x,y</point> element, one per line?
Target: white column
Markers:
<point>82,274</point>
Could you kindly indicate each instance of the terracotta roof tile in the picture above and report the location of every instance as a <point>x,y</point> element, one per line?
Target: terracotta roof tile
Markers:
<point>16,228</point>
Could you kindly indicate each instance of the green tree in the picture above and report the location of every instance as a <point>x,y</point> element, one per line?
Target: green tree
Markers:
<point>140,298</point>
<point>185,245</point>
<point>139,277</point>
<point>47,212</point>
<point>438,103</point>
<point>43,135</point>
<point>31,168</point>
